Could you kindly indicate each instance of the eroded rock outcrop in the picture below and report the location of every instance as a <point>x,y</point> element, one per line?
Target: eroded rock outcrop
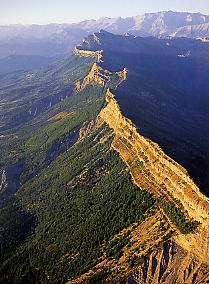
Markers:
<point>123,74</point>
<point>156,251</point>
<point>88,53</point>
<point>96,75</point>
<point>3,180</point>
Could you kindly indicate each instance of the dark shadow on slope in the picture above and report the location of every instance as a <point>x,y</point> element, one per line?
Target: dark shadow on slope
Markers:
<point>15,224</point>
<point>55,149</point>
<point>167,99</point>
<point>62,144</point>
<point>182,132</point>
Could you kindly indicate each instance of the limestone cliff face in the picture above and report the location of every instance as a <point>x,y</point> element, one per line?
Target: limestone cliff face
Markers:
<point>170,264</point>
<point>158,173</point>
<point>154,171</point>
<point>88,53</point>
<point>158,253</point>
<point>96,75</point>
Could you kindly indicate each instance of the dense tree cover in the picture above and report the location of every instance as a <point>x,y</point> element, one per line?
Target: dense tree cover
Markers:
<point>177,215</point>
<point>80,108</point>
<point>75,219</point>
<point>15,223</point>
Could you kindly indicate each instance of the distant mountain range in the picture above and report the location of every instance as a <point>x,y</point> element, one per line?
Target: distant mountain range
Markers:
<point>57,40</point>
<point>159,24</point>
<point>65,36</point>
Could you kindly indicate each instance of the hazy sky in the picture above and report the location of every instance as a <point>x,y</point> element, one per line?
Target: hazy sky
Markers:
<point>46,11</point>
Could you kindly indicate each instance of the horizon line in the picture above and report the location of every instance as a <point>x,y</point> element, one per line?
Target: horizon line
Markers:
<point>95,19</point>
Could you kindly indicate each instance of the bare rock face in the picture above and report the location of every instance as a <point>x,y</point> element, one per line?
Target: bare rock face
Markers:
<point>186,258</point>
<point>196,31</point>
<point>157,173</point>
<point>96,75</point>
<point>88,53</point>
<point>170,264</point>
<point>123,74</point>
<point>9,181</point>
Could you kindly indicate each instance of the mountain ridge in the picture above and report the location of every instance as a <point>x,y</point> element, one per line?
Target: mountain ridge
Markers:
<point>97,201</point>
<point>127,142</point>
<point>149,60</point>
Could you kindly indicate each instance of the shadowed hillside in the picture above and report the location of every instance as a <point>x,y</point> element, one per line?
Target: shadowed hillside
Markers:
<point>166,94</point>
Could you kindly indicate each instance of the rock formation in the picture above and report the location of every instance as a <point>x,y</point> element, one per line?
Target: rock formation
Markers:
<point>159,251</point>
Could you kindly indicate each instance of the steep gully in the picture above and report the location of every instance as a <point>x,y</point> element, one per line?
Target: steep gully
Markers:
<point>184,257</point>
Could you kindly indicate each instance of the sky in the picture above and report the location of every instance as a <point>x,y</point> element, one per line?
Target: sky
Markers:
<point>68,11</point>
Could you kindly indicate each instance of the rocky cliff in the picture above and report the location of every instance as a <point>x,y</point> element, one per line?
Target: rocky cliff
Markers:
<point>96,75</point>
<point>156,250</point>
<point>153,170</point>
<point>195,31</point>
<point>88,53</point>
<point>157,172</point>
